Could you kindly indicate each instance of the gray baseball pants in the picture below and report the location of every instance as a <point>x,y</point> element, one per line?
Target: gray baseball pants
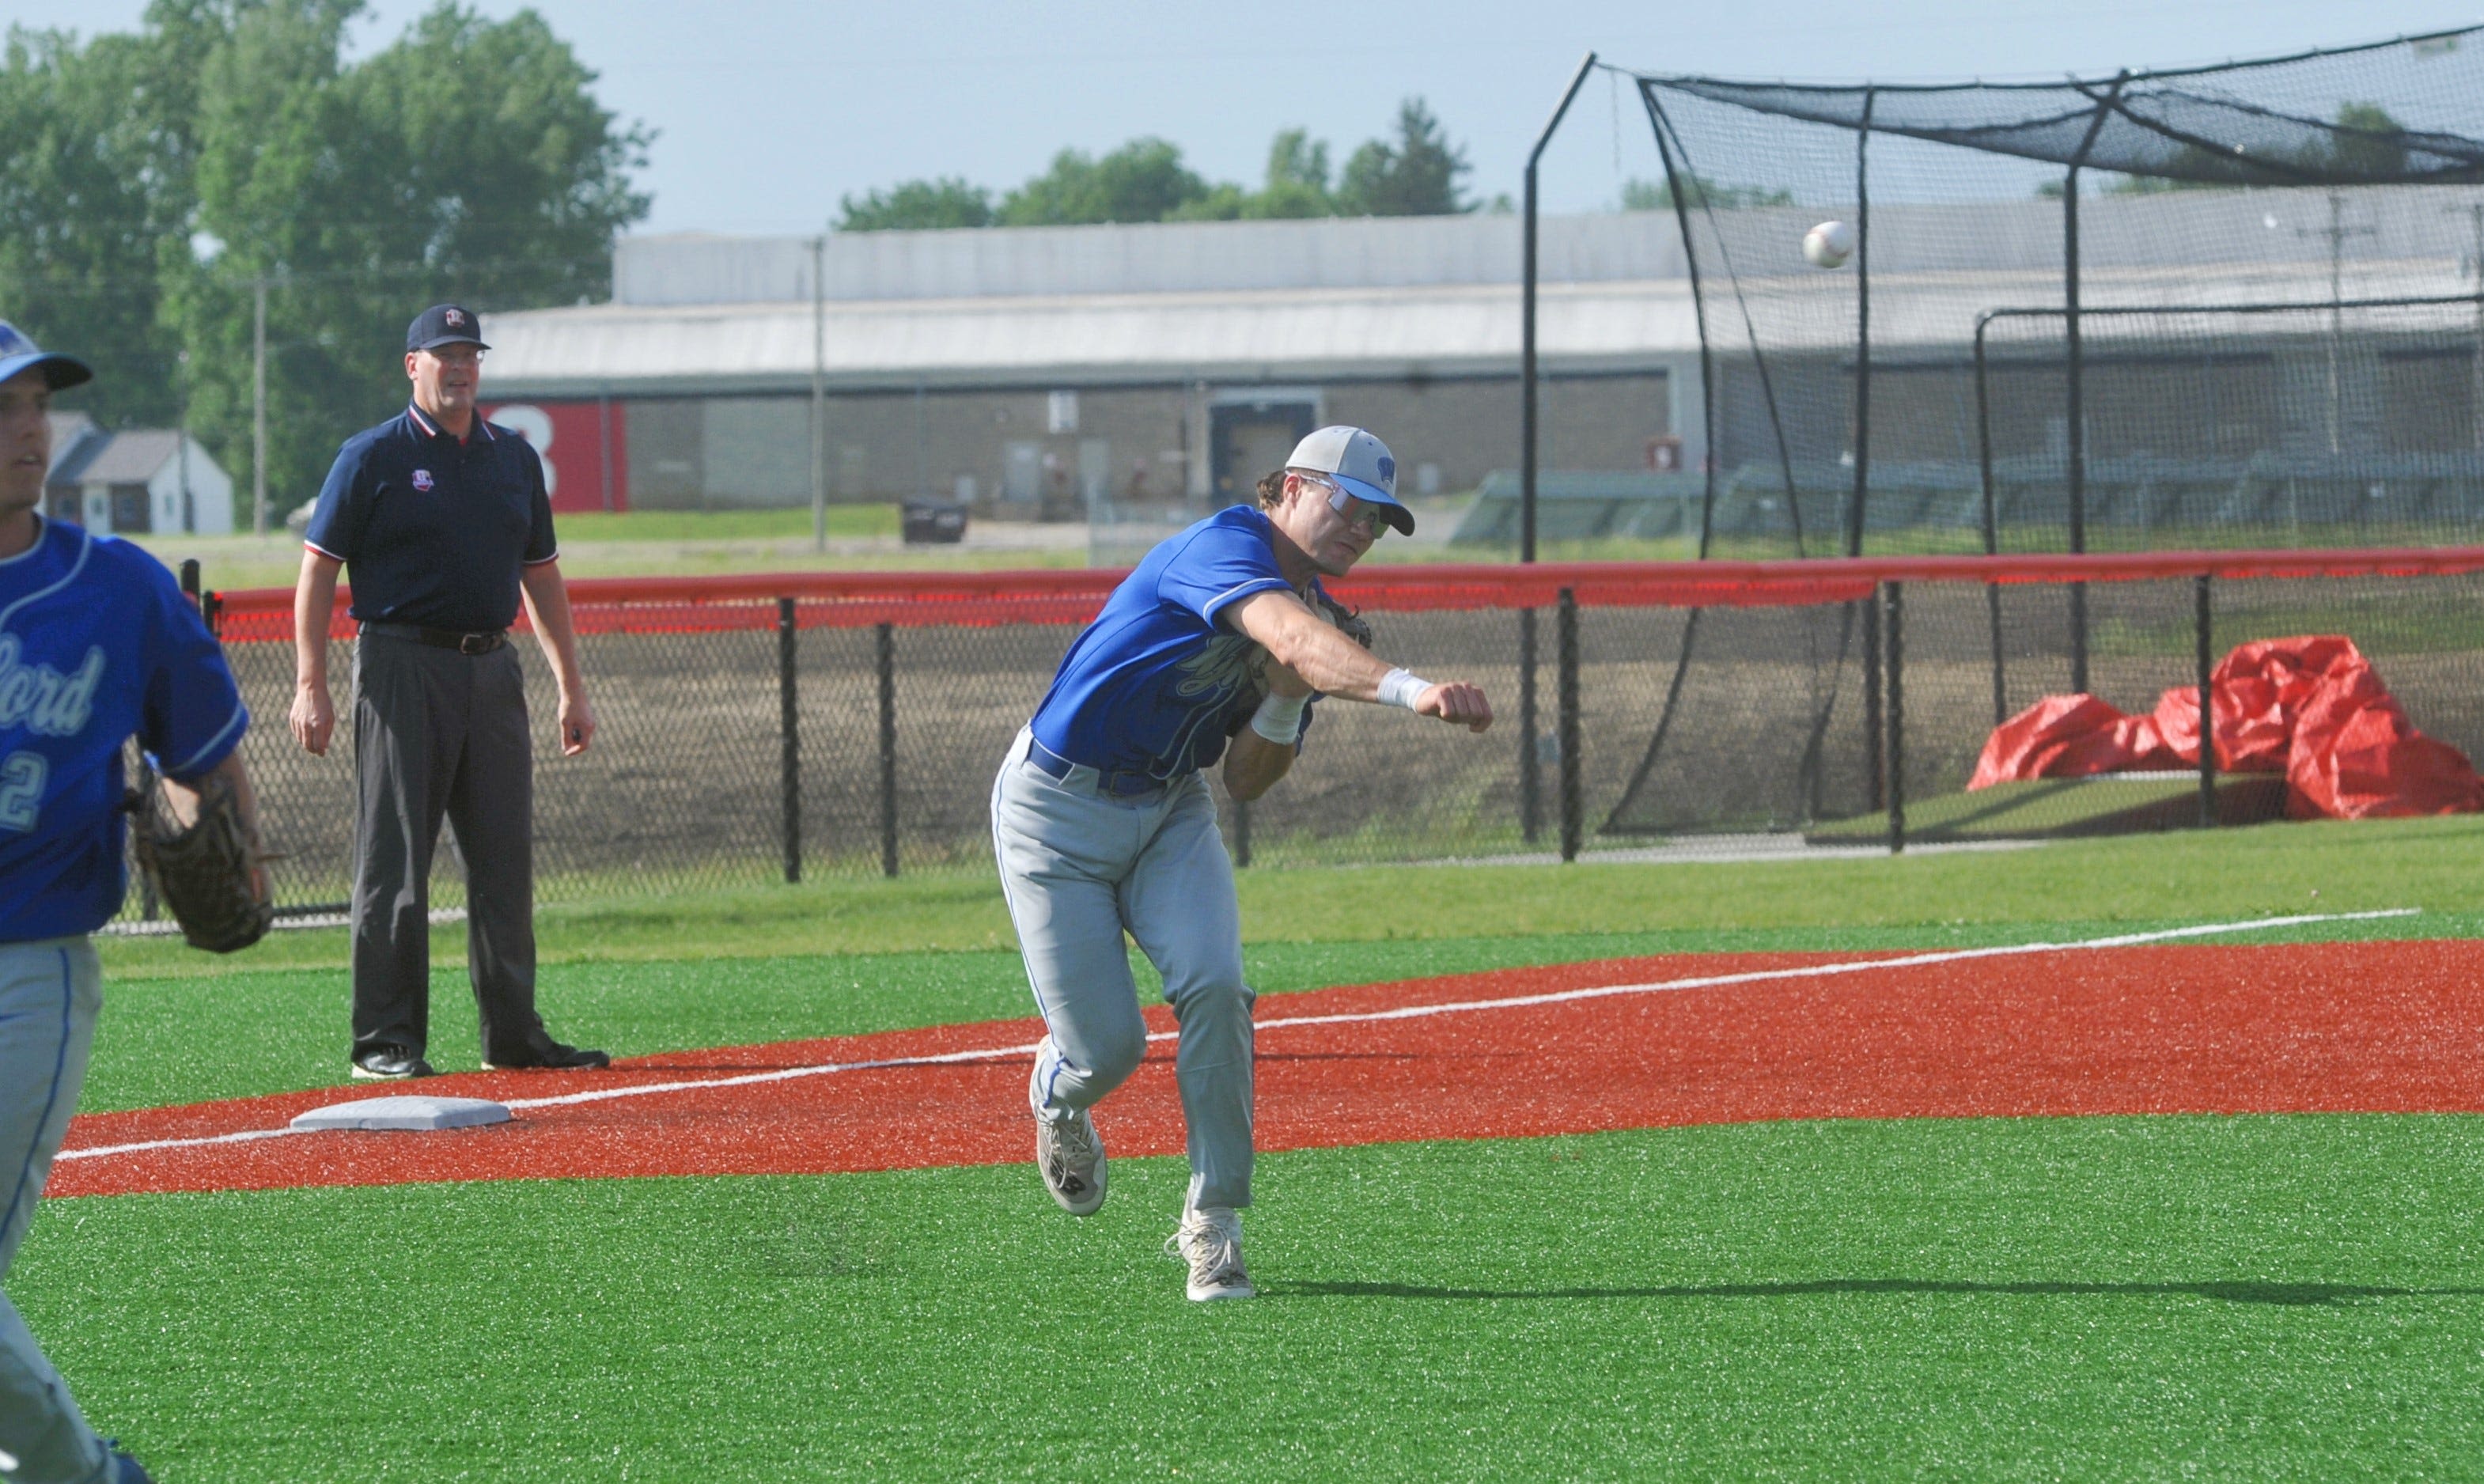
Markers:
<point>50,992</point>
<point>441,734</point>
<point>1080,867</point>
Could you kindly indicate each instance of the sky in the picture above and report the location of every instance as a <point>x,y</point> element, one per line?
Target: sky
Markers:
<point>767,113</point>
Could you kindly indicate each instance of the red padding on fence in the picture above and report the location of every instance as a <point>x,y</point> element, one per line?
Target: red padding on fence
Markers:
<point>2312,708</point>
<point>915,600</point>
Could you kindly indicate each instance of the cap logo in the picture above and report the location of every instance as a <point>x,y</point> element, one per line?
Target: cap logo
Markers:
<point>456,317</point>
<point>422,479</point>
<point>1388,469</point>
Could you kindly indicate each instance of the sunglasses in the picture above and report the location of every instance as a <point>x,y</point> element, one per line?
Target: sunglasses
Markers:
<point>1372,519</point>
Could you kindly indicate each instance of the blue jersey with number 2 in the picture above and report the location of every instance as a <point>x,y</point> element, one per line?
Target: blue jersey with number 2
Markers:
<point>1153,684</point>
<point>96,642</point>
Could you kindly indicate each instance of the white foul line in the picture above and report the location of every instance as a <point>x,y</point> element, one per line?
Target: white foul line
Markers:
<point>1407,1012</point>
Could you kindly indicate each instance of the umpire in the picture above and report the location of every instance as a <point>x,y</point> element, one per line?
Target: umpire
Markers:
<point>446,522</point>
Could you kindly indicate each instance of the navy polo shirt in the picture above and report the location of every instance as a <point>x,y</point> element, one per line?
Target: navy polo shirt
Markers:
<point>432,530</point>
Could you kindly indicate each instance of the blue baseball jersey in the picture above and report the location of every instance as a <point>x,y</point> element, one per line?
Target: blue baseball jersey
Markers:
<point>96,642</point>
<point>433,530</point>
<point>1158,679</point>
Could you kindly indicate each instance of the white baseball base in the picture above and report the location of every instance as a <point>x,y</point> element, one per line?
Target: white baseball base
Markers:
<point>415,1113</point>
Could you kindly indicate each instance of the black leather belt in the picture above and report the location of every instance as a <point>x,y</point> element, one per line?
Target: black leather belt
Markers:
<point>1121,785</point>
<point>464,643</point>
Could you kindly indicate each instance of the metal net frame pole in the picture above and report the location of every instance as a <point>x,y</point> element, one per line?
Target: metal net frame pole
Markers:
<point>2205,660</point>
<point>1531,779</point>
<point>1894,609</point>
<point>788,722</point>
<point>2074,389</point>
<point>1871,676</point>
<point>1665,148</point>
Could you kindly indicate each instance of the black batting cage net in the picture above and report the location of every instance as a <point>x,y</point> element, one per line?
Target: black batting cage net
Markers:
<point>2231,307</point>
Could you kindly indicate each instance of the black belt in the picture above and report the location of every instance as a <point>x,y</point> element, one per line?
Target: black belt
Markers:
<point>1121,785</point>
<point>483,643</point>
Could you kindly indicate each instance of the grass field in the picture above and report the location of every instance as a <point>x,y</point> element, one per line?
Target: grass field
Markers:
<point>2289,1297</point>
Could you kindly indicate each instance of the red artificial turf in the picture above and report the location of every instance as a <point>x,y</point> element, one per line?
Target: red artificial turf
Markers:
<point>2380,1027</point>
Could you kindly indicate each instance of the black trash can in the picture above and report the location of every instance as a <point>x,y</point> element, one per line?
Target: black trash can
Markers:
<point>933,522</point>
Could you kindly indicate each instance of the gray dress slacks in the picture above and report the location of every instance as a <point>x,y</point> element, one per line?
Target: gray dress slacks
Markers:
<point>439,733</point>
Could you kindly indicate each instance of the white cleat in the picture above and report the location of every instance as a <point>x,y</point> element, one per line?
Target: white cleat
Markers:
<point>1071,1158</point>
<point>1210,1240</point>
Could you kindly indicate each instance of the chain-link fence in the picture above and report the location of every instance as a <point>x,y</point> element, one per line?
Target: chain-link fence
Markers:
<point>850,725</point>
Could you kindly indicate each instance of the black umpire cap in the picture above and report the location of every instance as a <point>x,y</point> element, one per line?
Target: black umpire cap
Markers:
<point>445,324</point>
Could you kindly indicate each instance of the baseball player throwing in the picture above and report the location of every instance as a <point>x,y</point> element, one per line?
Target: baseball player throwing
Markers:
<point>96,642</point>
<point>1101,822</point>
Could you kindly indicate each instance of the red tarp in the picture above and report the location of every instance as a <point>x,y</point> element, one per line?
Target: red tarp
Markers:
<point>2311,708</point>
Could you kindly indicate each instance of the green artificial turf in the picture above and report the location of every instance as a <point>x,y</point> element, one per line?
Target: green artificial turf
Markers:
<point>2134,1298</point>
<point>2199,876</point>
<point>174,1040</point>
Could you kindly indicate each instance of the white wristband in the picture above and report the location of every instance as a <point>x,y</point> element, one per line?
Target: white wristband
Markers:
<point>1402,687</point>
<point>1280,718</point>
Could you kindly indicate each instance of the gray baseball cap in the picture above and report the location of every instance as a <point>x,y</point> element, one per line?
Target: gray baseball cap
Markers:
<point>1362,466</point>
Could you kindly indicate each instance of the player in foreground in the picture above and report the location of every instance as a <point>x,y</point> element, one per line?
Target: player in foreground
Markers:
<point>1102,822</point>
<point>96,642</point>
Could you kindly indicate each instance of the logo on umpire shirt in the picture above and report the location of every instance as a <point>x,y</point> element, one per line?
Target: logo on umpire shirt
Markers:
<point>422,479</point>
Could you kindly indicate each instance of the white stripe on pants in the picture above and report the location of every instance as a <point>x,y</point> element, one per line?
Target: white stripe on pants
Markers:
<point>1080,867</point>
<point>50,992</point>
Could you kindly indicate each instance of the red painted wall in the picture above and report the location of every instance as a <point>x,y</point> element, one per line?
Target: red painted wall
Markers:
<point>574,439</point>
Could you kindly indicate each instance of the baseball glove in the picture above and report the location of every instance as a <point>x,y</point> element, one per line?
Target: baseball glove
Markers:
<point>207,872</point>
<point>1255,688</point>
<point>1349,622</point>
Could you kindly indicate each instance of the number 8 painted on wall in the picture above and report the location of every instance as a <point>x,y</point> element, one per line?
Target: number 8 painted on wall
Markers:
<point>21,789</point>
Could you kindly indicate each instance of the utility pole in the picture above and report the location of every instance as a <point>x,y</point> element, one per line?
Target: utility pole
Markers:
<point>2337,232</point>
<point>258,407</point>
<point>819,392</point>
<point>2474,264</point>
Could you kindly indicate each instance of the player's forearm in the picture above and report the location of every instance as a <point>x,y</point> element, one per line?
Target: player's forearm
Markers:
<point>1332,663</point>
<point>1253,764</point>
<point>315,604</point>
<point>548,610</point>
<point>232,772</point>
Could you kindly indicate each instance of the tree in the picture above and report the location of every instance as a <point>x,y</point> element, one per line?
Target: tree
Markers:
<point>1296,185</point>
<point>2367,143</point>
<point>467,160</point>
<point>1700,191</point>
<point>96,177</point>
<point>1297,180</point>
<point>1417,177</point>
<point>1141,181</point>
<point>917,206</point>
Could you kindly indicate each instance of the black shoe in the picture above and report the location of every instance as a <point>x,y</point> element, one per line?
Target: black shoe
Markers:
<point>388,1064</point>
<point>548,1055</point>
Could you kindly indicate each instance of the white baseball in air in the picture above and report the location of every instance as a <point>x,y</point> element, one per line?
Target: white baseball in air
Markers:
<point>1829,244</point>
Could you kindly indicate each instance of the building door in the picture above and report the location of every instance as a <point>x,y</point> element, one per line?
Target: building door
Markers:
<point>131,509</point>
<point>1247,439</point>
